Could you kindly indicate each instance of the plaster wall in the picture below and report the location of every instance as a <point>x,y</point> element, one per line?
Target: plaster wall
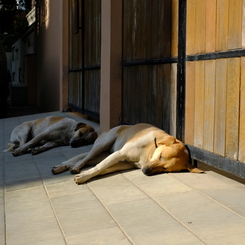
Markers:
<point>52,55</point>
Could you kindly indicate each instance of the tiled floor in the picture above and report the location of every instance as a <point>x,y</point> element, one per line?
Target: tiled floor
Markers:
<point>37,207</point>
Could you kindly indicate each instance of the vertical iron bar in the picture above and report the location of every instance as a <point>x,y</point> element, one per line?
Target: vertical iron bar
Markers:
<point>83,55</point>
<point>180,110</point>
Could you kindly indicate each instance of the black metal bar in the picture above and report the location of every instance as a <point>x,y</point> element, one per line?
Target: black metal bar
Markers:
<point>85,69</point>
<point>217,55</point>
<point>180,110</point>
<point>76,17</point>
<point>92,114</point>
<point>83,56</point>
<point>194,163</point>
<point>223,163</point>
<point>122,76</point>
<point>88,113</point>
<point>167,60</point>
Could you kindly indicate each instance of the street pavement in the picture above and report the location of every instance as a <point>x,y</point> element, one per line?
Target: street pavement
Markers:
<point>39,208</point>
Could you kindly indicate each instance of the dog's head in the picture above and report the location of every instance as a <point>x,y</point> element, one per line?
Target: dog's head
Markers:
<point>170,155</point>
<point>84,134</point>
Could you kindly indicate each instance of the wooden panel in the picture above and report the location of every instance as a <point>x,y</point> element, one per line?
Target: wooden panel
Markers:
<point>92,90</point>
<point>132,86</point>
<point>76,51</point>
<point>92,33</point>
<point>190,103</point>
<point>220,106</point>
<point>75,60</point>
<point>174,42</point>
<point>148,19</point>
<point>153,86</point>
<point>235,24</point>
<point>125,96</point>
<point>222,25</point>
<point>74,88</point>
<point>141,26</point>
<point>166,99</point>
<point>156,29</point>
<point>242,114</point>
<point>190,27</point>
<point>90,55</point>
<point>127,35</point>
<point>232,113</point>
<point>88,34</point>
<point>166,27</point>
<point>210,25</point>
<point>173,92</point>
<point>200,26</point>
<point>152,83</point>
<point>243,24</point>
<point>199,103</point>
<point>208,133</point>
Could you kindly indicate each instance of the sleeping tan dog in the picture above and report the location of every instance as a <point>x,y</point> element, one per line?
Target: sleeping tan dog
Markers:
<point>49,132</point>
<point>125,147</point>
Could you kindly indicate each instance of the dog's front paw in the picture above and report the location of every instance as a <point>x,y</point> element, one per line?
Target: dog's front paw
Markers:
<point>80,178</point>
<point>35,151</point>
<point>59,169</point>
<point>17,153</point>
<point>73,170</point>
<point>29,150</point>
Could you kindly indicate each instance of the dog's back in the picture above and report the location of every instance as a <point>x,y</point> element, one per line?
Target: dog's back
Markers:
<point>30,129</point>
<point>40,125</point>
<point>141,134</point>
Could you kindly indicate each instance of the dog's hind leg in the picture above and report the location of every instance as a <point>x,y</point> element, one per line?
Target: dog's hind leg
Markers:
<point>19,137</point>
<point>30,144</point>
<point>11,147</point>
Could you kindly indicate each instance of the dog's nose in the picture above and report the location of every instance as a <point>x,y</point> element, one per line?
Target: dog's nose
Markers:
<point>146,171</point>
<point>74,144</point>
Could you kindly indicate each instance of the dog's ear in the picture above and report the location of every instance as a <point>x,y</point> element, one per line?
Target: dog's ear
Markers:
<point>155,142</point>
<point>192,169</point>
<point>79,125</point>
<point>168,141</point>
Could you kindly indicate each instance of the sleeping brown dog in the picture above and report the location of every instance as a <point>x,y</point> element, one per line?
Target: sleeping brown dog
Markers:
<point>125,147</point>
<point>42,134</point>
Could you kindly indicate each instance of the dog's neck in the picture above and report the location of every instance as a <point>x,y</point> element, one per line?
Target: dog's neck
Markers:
<point>150,149</point>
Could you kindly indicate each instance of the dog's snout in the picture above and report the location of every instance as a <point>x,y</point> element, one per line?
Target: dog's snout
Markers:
<point>154,169</point>
<point>77,142</point>
<point>73,144</point>
<point>146,171</point>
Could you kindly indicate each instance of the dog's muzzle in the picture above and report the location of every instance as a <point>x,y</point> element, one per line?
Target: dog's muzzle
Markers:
<point>154,169</point>
<point>147,171</point>
<point>77,143</point>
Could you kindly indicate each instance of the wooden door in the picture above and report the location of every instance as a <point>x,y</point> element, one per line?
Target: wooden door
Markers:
<point>149,62</point>
<point>84,60</point>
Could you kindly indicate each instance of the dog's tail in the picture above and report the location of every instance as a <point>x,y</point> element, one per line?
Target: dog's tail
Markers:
<point>11,147</point>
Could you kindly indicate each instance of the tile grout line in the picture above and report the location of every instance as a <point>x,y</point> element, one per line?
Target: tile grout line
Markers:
<point>174,217</point>
<point>4,205</point>
<point>4,196</point>
<point>51,204</point>
<point>210,198</point>
<point>107,210</point>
